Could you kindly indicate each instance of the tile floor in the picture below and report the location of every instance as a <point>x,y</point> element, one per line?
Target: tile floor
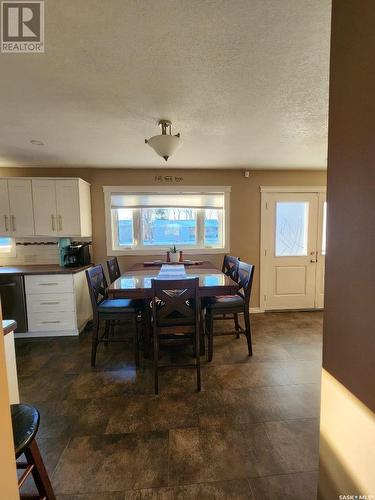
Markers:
<point>251,433</point>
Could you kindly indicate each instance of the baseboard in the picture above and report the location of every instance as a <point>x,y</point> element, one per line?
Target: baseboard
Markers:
<point>256,310</point>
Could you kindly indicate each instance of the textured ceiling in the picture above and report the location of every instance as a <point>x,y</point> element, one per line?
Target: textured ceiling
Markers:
<point>245,82</point>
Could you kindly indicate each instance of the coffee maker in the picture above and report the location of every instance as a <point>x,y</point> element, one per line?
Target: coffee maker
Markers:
<point>77,255</point>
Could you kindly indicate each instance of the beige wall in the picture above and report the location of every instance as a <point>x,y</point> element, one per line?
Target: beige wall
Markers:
<point>347,444</point>
<point>244,210</point>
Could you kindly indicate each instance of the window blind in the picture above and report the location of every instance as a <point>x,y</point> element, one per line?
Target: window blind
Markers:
<point>167,200</point>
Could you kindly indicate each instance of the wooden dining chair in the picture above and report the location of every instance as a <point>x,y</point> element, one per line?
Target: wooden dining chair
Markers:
<point>175,319</point>
<point>25,424</point>
<point>110,311</point>
<point>230,268</point>
<point>217,307</point>
<point>113,269</point>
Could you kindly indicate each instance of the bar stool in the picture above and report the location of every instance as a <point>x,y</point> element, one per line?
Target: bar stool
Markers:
<point>25,422</point>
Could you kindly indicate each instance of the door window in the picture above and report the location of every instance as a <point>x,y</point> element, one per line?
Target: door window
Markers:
<point>291,228</point>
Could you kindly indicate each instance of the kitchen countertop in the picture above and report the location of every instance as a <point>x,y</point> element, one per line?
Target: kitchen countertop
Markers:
<point>42,269</point>
<point>9,325</point>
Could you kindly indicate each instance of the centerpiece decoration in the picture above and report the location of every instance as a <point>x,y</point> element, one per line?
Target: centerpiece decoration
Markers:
<point>173,255</point>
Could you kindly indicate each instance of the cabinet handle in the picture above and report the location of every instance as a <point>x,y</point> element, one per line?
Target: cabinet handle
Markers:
<point>13,220</point>
<point>47,322</point>
<point>49,303</point>
<point>60,222</point>
<point>47,284</point>
<point>53,222</point>
<point>6,223</point>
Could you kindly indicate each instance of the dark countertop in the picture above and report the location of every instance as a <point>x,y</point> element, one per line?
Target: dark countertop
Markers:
<point>9,325</point>
<point>42,269</point>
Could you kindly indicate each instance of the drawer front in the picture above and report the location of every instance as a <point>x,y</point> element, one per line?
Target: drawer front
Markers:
<point>53,302</point>
<point>49,283</point>
<point>51,322</point>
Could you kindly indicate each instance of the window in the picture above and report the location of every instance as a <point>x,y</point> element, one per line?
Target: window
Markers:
<point>7,247</point>
<point>151,221</point>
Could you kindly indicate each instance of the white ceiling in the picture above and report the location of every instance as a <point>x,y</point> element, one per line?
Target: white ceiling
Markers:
<point>245,82</point>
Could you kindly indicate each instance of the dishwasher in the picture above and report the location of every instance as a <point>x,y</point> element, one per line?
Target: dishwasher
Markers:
<point>13,300</point>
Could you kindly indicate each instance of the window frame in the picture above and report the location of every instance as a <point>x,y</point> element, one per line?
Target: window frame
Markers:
<point>161,249</point>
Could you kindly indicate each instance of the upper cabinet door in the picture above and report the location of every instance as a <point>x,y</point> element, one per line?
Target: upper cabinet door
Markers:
<point>4,209</point>
<point>44,199</point>
<point>68,210</point>
<point>21,207</point>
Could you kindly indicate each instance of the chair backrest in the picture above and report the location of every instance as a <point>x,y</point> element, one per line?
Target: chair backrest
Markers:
<point>175,303</point>
<point>245,280</point>
<point>230,266</point>
<point>98,285</point>
<point>113,269</point>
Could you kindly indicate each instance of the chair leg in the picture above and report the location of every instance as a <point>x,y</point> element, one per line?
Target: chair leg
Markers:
<point>94,346</point>
<point>236,325</point>
<point>136,341</point>
<point>198,359</point>
<point>156,362</point>
<point>248,331</point>
<point>147,332</point>
<point>108,326</point>
<point>210,336</point>
<point>39,472</point>
<point>202,341</point>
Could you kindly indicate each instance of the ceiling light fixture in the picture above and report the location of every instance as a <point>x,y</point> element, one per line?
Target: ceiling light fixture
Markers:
<point>165,144</point>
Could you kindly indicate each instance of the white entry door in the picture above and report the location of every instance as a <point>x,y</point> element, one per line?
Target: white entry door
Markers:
<point>291,252</point>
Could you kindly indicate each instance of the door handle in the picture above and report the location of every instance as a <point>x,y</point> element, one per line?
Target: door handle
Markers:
<point>6,223</point>
<point>313,261</point>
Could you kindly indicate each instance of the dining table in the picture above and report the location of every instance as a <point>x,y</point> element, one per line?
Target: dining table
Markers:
<point>136,284</point>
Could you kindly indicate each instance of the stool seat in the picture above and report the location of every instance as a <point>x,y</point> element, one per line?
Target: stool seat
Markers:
<point>119,306</point>
<point>225,303</point>
<point>25,422</point>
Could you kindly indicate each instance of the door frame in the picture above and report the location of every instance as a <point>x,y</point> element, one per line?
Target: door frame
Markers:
<point>267,190</point>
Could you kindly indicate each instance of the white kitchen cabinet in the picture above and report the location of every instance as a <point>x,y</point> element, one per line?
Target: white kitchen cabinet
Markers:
<point>21,207</point>
<point>57,305</point>
<point>4,209</point>
<point>73,203</point>
<point>67,203</point>
<point>44,200</point>
<point>62,207</point>
<point>45,207</point>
